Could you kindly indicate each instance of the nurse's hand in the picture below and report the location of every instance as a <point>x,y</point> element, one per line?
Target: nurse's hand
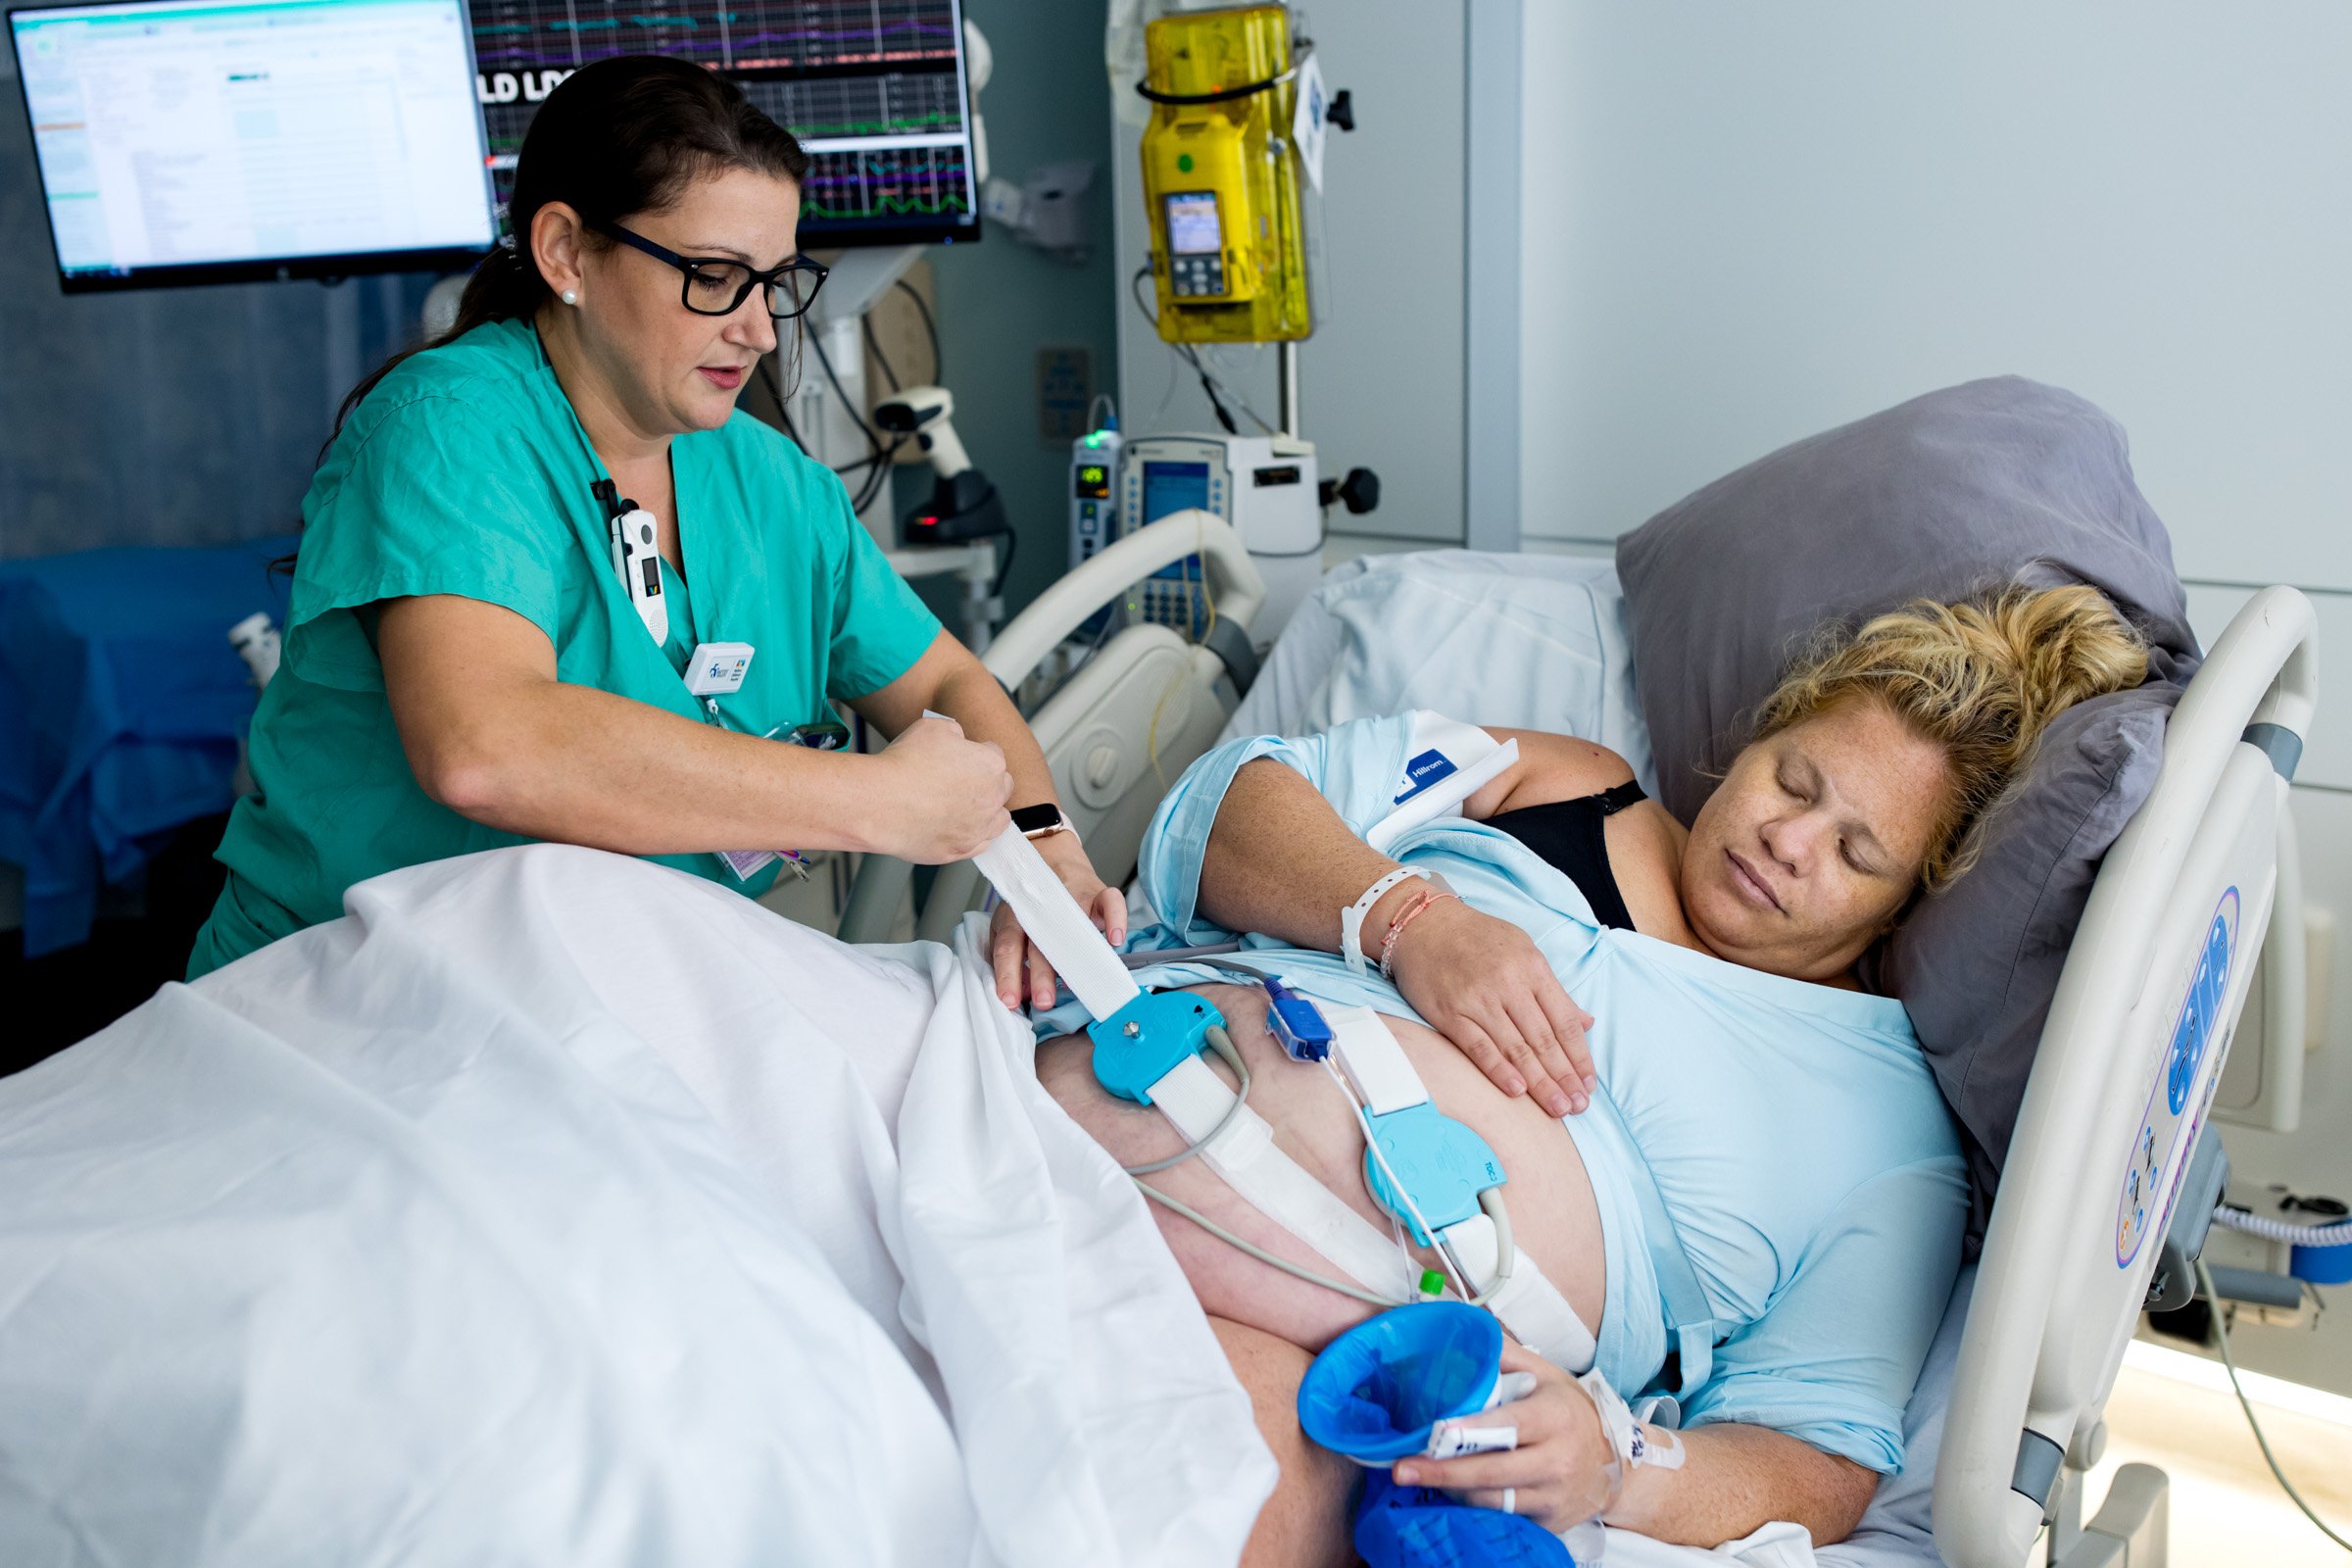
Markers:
<point>1559,1474</point>
<point>1480,981</point>
<point>943,797</point>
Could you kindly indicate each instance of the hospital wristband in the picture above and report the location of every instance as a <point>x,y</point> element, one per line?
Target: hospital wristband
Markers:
<point>1352,918</point>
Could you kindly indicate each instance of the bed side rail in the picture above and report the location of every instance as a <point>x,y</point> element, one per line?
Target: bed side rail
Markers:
<point>1232,580</point>
<point>2153,986</point>
<point>1032,636</point>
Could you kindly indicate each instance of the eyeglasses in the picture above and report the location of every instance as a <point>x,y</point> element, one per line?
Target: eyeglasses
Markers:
<point>717,286</point>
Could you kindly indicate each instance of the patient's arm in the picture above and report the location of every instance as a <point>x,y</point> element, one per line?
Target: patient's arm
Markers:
<point>1282,861</point>
<point>1736,1478</point>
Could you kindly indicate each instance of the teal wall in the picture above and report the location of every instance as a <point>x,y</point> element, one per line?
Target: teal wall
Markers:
<point>1001,301</point>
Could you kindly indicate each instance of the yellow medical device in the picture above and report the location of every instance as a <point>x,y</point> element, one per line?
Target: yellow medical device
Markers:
<point>1221,178</point>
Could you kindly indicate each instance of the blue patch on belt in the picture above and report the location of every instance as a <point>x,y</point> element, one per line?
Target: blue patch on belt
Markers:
<point>1423,771</point>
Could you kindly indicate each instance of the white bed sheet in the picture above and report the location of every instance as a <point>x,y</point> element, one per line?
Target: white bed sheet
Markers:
<point>1535,642</point>
<point>1541,642</point>
<point>557,1207</point>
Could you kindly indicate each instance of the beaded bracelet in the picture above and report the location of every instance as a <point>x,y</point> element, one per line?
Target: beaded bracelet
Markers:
<point>1387,943</point>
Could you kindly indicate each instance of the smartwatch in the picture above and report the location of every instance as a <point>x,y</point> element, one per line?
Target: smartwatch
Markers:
<point>1041,821</point>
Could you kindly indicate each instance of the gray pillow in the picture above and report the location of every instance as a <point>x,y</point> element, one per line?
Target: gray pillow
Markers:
<point>1938,498</point>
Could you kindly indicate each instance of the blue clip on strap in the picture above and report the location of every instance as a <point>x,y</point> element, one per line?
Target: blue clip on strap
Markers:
<point>1147,1039</point>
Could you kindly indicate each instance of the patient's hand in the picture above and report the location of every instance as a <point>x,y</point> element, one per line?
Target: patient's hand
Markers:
<point>1559,1473</point>
<point>1015,959</point>
<point>1480,981</point>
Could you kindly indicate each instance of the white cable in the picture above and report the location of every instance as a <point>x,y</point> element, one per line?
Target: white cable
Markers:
<point>1373,1144</point>
<point>1222,1044</point>
<point>2220,1333</point>
<point>2335,1233</point>
<point>1259,1252</point>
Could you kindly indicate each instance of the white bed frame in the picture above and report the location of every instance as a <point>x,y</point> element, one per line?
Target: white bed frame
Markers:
<point>2052,1307</point>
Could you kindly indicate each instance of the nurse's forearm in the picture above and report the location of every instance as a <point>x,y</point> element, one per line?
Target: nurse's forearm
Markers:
<point>1734,1478</point>
<point>949,679</point>
<point>579,766</point>
<point>490,733</point>
<point>1280,861</point>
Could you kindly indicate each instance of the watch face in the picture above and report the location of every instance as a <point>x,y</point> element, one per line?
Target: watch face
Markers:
<point>1036,819</point>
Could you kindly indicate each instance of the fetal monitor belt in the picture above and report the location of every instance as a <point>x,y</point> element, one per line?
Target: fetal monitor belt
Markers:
<point>1243,1153</point>
<point>1194,1099</point>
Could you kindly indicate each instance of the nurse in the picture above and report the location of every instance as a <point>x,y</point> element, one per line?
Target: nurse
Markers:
<point>466,667</point>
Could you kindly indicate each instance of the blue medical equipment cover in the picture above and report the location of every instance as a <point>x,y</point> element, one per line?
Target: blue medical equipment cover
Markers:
<point>1421,1527</point>
<point>1794,1130</point>
<point>1374,1392</point>
<point>121,704</point>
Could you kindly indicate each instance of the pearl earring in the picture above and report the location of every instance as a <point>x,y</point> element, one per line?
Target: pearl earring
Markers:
<point>571,296</point>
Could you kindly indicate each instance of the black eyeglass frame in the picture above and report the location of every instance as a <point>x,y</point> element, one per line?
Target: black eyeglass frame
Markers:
<point>692,266</point>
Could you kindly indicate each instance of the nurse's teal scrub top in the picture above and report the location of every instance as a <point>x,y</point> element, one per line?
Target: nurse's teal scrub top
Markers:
<point>464,472</point>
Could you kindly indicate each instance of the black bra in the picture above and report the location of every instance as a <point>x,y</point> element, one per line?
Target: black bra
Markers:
<point>1569,836</point>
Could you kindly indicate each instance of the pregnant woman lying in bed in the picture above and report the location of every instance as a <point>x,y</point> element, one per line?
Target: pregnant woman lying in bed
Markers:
<point>1806,1166</point>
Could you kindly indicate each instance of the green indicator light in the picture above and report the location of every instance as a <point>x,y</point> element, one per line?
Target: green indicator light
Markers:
<point>1184,163</point>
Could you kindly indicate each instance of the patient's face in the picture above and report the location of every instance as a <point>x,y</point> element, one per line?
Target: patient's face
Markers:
<point>1814,840</point>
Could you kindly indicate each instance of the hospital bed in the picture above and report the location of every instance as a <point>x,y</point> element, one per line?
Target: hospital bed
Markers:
<point>2111,1172</point>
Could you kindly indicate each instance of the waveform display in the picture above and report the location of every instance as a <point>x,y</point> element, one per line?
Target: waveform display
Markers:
<point>896,102</point>
<point>887,182</point>
<point>880,75</point>
<point>516,36</point>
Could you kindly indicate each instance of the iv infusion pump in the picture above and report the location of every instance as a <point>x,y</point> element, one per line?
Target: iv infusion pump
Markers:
<point>1265,486</point>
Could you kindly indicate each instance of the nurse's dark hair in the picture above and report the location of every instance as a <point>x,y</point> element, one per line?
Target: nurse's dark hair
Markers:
<point>621,136</point>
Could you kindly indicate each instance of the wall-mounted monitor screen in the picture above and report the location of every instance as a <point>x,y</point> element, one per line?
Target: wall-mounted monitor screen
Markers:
<point>187,141</point>
<point>875,91</point>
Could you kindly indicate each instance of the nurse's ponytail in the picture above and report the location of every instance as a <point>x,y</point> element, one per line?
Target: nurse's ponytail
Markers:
<point>619,137</point>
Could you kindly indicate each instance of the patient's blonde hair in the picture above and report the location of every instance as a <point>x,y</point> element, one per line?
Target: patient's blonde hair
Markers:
<point>1981,679</point>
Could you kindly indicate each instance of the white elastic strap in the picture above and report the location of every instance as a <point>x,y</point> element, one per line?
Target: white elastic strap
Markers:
<point>1052,920</point>
<point>1194,1099</point>
<point>1352,918</point>
<point>1529,1304</point>
<point>1377,1068</point>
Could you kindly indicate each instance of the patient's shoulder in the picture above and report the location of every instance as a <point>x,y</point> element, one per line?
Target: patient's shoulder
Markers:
<point>1551,767</point>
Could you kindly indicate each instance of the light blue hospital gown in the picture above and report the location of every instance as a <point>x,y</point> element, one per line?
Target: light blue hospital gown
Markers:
<point>1794,1130</point>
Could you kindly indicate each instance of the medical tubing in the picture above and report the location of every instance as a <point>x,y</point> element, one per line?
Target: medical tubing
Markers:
<point>2335,1233</point>
<point>879,455</point>
<point>1368,1297</point>
<point>2221,1334</point>
<point>873,346</point>
<point>1506,1251</point>
<point>1226,95</point>
<point>1444,1256</point>
<point>1222,1044</point>
<point>930,329</point>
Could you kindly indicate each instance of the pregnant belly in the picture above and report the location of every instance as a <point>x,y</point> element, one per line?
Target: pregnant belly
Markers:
<point>1553,1215</point>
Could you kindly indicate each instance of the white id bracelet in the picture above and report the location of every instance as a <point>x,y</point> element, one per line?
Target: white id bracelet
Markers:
<point>1352,918</point>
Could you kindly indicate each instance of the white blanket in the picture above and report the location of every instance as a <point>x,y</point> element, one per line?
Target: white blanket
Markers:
<point>553,1208</point>
<point>557,1208</point>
